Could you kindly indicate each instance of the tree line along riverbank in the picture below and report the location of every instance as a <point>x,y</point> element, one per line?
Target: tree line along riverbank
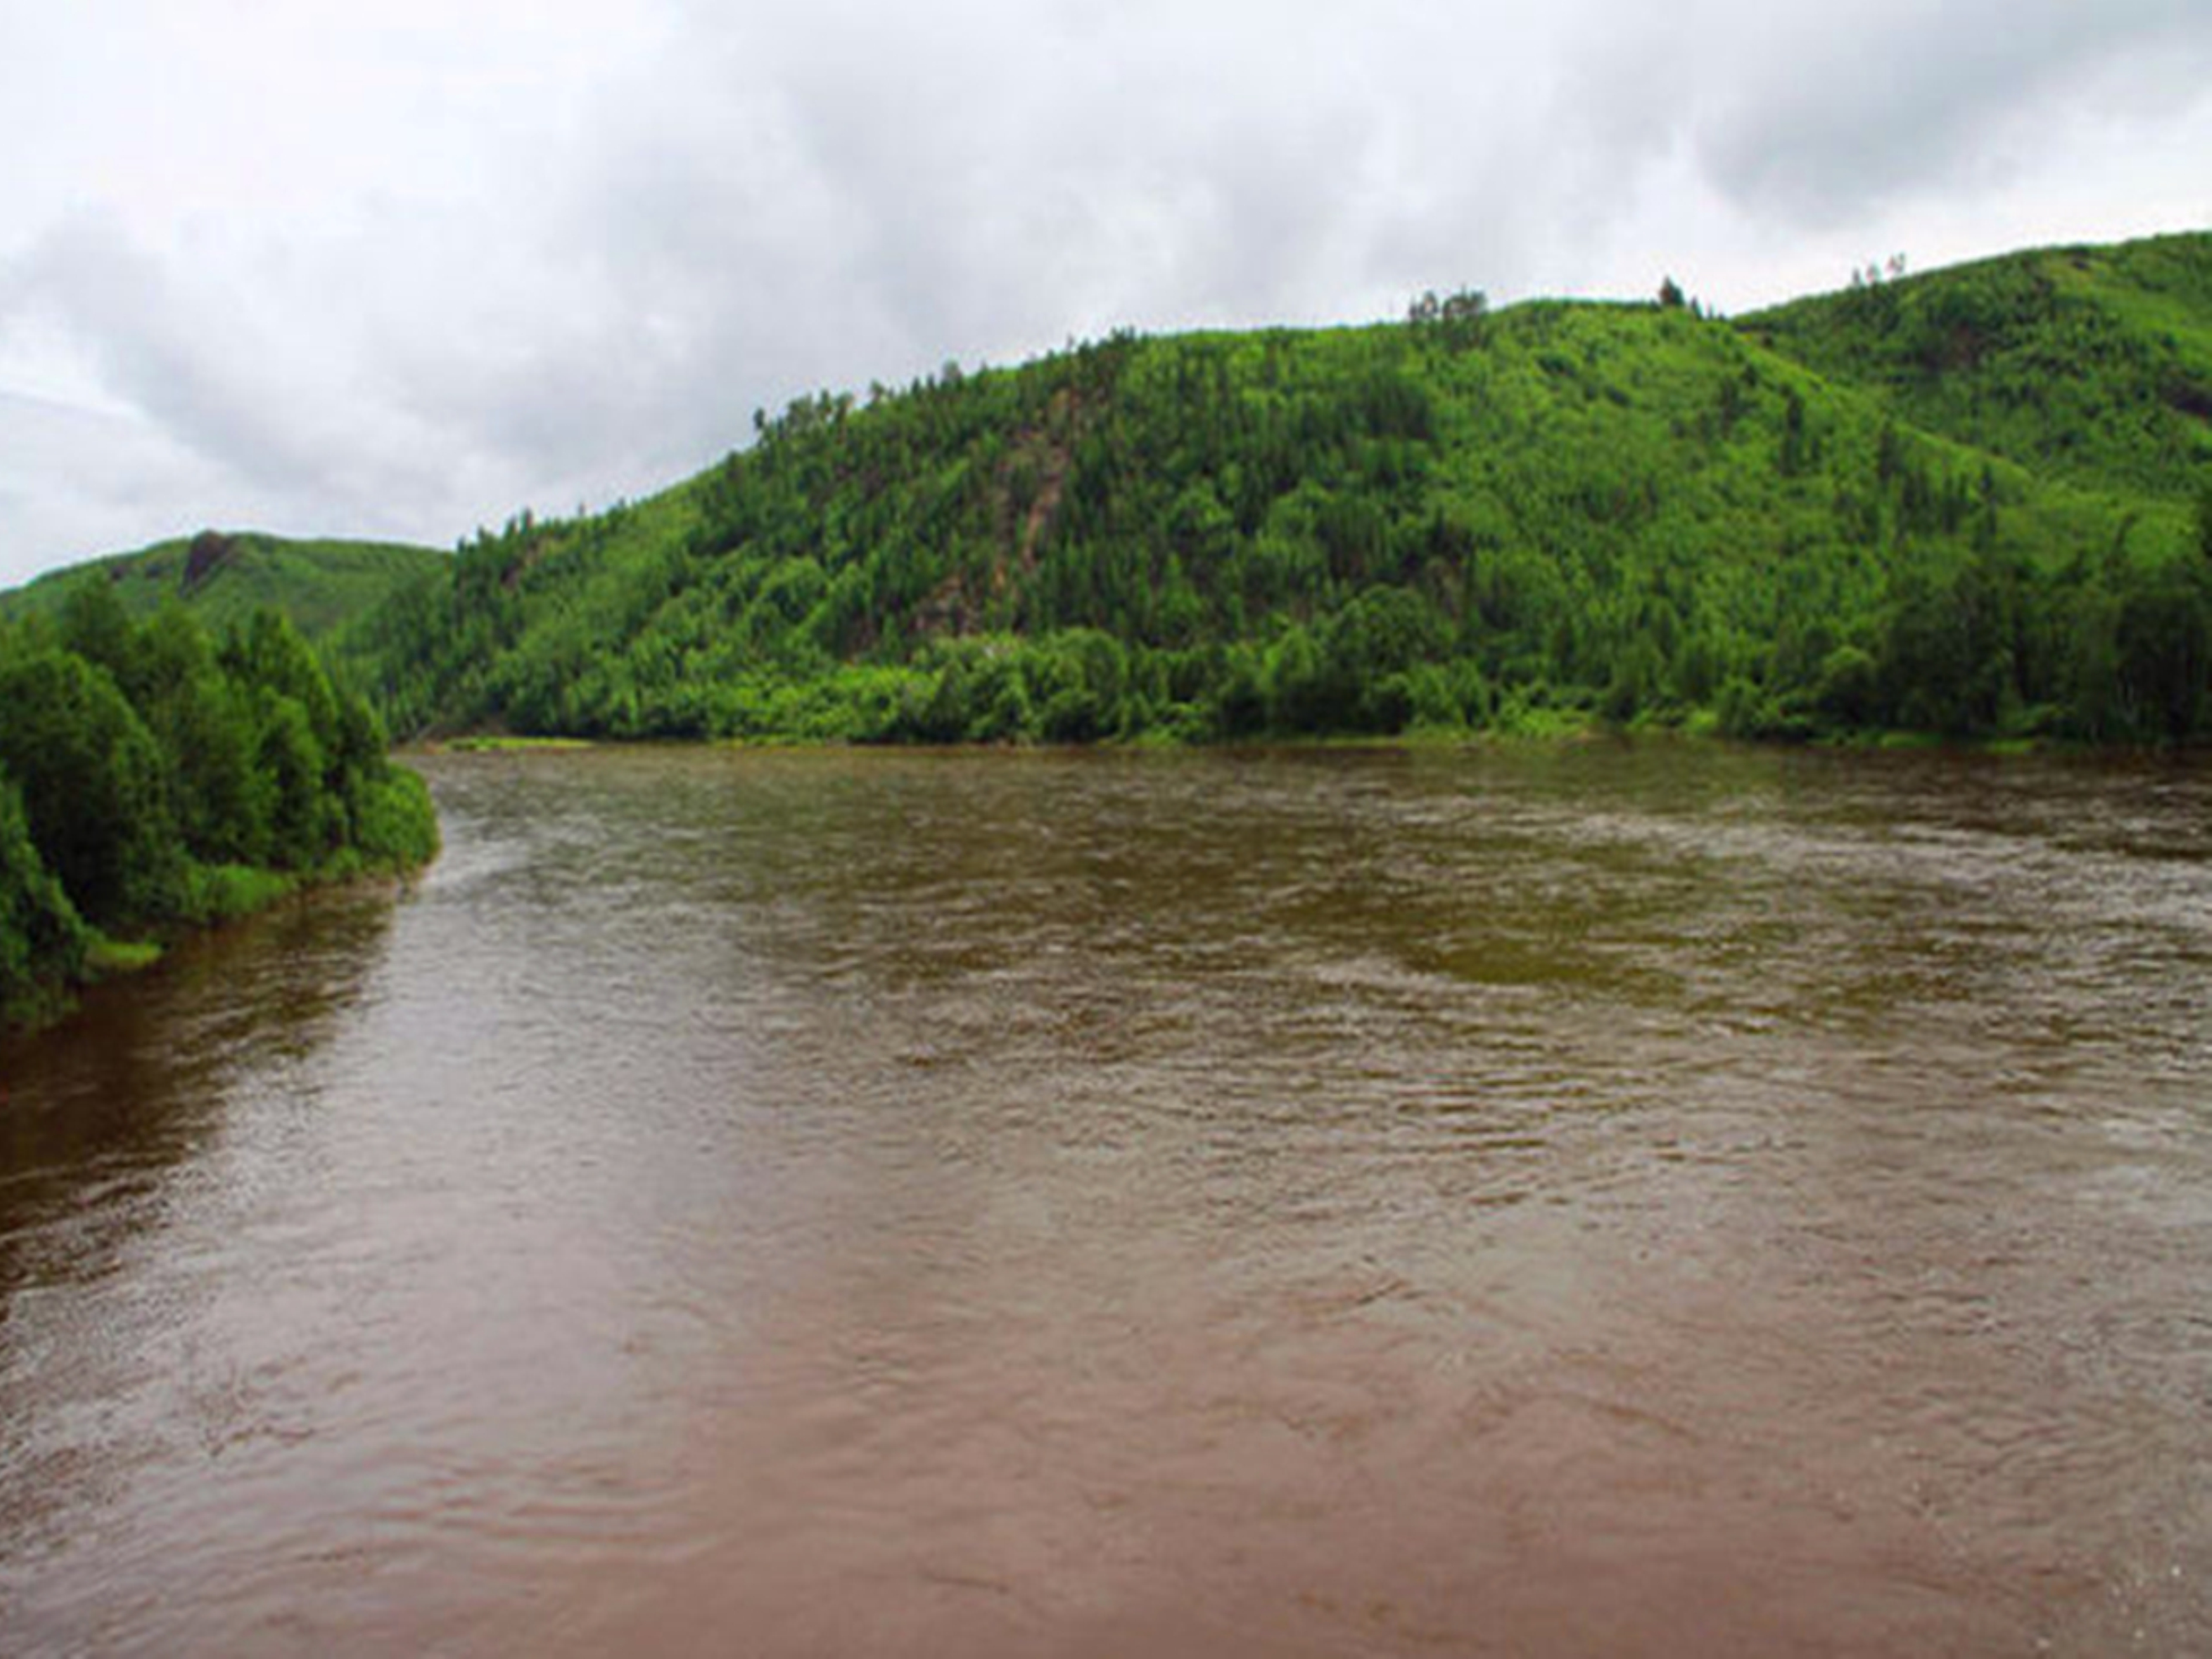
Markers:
<point>154,778</point>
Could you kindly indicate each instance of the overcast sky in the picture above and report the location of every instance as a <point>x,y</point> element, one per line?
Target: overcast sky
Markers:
<point>400,269</point>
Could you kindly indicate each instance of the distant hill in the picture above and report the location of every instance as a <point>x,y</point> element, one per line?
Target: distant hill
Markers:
<point>2089,364</point>
<point>1974,502</point>
<point>224,578</point>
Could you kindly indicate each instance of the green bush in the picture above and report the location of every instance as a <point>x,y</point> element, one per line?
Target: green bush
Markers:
<point>42,940</point>
<point>150,781</point>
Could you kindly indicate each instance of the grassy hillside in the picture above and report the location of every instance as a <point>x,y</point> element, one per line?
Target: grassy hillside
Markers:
<point>224,579</point>
<point>1970,503</point>
<point>2089,364</point>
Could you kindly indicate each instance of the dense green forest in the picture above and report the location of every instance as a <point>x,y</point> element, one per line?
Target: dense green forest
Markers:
<point>1976,503</point>
<point>152,778</point>
<point>223,579</point>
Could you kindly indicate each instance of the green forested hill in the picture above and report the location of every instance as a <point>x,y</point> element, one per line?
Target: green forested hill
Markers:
<point>2090,364</point>
<point>1971,503</point>
<point>224,579</point>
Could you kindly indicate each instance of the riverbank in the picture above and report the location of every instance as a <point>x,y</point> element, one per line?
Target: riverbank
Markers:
<point>221,896</point>
<point>1536,728</point>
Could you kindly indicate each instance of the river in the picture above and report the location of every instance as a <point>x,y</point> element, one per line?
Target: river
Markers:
<point>1600,1200</point>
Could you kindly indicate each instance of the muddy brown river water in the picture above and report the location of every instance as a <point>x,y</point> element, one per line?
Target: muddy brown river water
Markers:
<point>1601,1201</point>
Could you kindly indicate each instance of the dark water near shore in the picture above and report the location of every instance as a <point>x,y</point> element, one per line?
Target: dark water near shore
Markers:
<point>1639,1201</point>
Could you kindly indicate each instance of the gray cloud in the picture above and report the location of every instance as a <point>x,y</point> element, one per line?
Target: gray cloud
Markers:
<point>403,278</point>
<point>192,363</point>
<point>1862,103</point>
